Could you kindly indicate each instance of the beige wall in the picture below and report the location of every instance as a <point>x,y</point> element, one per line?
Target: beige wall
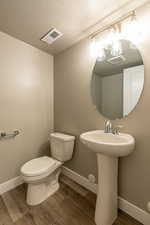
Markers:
<point>26,103</point>
<point>75,113</point>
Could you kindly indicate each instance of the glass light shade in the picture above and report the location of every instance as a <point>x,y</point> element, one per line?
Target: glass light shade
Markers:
<point>93,48</point>
<point>110,38</point>
<point>133,31</point>
<point>116,48</point>
<point>101,54</point>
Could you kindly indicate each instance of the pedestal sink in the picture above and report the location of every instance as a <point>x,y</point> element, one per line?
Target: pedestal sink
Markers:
<point>108,148</point>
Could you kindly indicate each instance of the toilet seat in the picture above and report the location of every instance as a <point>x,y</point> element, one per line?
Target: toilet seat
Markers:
<point>40,166</point>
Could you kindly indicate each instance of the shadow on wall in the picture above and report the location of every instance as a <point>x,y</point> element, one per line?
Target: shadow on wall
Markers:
<point>83,167</point>
<point>44,149</point>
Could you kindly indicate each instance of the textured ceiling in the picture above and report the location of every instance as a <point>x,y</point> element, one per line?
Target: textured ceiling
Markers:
<point>29,20</point>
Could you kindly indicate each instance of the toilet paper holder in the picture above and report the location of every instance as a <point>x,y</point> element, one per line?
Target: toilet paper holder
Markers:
<point>5,134</point>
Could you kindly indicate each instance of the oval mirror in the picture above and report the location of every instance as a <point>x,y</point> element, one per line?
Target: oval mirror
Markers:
<point>117,81</point>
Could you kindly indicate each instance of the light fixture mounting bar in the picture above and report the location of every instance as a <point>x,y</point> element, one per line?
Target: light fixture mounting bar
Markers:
<point>119,20</point>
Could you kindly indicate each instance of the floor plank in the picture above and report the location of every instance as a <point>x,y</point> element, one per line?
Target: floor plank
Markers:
<point>70,205</point>
<point>26,220</point>
<point>44,216</point>
<point>84,204</point>
<point>5,219</point>
<point>19,196</point>
<point>77,188</point>
<point>12,207</point>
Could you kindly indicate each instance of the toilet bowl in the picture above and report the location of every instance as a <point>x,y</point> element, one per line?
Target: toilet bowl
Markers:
<point>41,174</point>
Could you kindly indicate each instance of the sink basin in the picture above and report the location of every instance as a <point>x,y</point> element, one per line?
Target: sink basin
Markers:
<point>109,144</point>
<point>108,147</point>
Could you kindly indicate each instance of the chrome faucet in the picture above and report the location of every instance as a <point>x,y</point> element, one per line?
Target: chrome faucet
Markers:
<point>108,127</point>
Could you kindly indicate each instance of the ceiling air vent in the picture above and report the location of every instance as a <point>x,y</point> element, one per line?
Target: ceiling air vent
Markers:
<point>116,59</point>
<point>51,36</point>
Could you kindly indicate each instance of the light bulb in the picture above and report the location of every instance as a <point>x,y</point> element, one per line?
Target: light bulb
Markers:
<point>114,42</point>
<point>133,31</point>
<point>110,38</point>
<point>116,48</point>
<point>93,49</point>
<point>101,54</point>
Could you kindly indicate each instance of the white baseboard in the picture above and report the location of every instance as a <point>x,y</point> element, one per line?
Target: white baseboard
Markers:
<point>79,179</point>
<point>132,210</point>
<point>10,184</point>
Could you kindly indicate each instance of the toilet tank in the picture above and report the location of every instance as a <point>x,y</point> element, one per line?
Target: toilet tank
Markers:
<point>61,146</point>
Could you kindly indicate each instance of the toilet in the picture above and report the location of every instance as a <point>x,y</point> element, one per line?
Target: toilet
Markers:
<point>41,174</point>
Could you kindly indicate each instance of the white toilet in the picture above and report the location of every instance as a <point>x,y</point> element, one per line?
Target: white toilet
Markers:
<point>41,174</point>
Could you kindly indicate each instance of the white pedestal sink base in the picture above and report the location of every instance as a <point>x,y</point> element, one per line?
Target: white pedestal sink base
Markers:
<point>108,148</point>
<point>106,204</point>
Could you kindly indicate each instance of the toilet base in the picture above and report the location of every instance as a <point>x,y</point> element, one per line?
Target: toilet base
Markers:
<point>38,192</point>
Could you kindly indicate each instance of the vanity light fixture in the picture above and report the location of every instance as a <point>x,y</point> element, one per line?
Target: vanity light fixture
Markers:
<point>116,31</point>
<point>116,47</point>
<point>133,31</point>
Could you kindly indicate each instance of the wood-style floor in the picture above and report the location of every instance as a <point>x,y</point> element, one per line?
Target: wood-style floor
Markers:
<point>71,205</point>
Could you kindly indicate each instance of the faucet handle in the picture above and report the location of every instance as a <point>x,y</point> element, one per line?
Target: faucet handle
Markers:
<point>107,122</point>
<point>108,126</point>
<point>116,129</point>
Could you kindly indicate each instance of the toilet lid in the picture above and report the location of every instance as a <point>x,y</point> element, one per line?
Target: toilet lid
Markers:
<point>38,166</point>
